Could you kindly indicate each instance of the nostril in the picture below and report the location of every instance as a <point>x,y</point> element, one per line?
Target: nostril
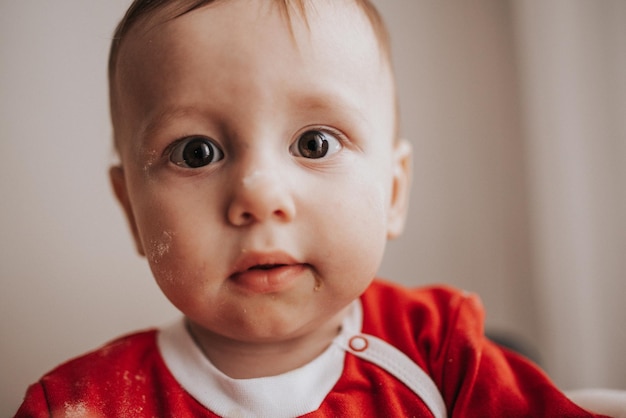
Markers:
<point>279,213</point>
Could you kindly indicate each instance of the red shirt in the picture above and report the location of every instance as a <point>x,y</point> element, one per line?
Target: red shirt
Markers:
<point>439,329</point>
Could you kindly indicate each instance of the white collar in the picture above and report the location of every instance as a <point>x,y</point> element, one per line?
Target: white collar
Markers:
<point>294,393</point>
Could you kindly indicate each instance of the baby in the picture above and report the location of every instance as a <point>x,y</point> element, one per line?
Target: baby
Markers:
<point>261,175</point>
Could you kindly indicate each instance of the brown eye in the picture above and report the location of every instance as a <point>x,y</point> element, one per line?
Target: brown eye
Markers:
<point>195,152</point>
<point>315,144</point>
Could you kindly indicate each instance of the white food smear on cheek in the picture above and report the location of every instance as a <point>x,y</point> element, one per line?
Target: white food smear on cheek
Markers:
<point>160,247</point>
<point>152,158</point>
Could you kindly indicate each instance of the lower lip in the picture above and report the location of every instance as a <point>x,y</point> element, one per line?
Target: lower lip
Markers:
<point>269,281</point>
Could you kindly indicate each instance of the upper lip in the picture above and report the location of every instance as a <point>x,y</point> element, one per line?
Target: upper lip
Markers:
<point>260,260</point>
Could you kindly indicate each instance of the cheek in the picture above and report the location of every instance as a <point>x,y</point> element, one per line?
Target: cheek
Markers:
<point>355,228</point>
<point>163,249</point>
<point>179,267</point>
<point>363,199</point>
<point>158,245</point>
<point>164,220</point>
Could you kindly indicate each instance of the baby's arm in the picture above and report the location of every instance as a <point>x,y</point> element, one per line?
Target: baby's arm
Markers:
<point>479,378</point>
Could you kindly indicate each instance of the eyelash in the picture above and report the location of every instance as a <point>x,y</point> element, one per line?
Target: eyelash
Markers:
<point>207,152</point>
<point>322,142</point>
<point>318,134</point>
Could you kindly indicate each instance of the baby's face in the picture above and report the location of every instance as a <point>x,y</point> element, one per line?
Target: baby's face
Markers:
<point>260,173</point>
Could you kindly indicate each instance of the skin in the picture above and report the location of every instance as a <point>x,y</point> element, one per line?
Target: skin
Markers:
<point>236,74</point>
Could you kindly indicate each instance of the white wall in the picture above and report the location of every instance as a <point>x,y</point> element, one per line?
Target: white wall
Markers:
<point>70,279</point>
<point>573,77</point>
<point>458,88</point>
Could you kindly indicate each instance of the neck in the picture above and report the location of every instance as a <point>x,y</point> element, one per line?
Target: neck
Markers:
<point>246,360</point>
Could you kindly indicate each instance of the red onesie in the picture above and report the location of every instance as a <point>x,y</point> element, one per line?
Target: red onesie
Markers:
<point>400,353</point>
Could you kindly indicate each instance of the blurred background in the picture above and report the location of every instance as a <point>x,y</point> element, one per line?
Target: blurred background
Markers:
<point>517,113</point>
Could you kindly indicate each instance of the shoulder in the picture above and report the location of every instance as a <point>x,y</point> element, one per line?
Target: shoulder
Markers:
<point>126,377</point>
<point>80,386</point>
<point>441,329</point>
<point>422,321</point>
<point>120,371</point>
<point>121,352</point>
<point>433,305</point>
<point>437,293</point>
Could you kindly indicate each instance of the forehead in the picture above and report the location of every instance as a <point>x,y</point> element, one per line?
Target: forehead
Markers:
<point>144,11</point>
<point>331,48</point>
<point>356,15</point>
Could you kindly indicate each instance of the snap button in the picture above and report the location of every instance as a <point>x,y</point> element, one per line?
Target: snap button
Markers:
<point>358,343</point>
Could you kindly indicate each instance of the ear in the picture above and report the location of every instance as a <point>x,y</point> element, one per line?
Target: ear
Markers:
<point>401,184</point>
<point>118,181</point>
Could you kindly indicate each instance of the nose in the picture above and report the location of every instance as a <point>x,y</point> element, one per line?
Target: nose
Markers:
<point>260,195</point>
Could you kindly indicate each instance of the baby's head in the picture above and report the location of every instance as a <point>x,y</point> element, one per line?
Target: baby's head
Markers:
<point>260,172</point>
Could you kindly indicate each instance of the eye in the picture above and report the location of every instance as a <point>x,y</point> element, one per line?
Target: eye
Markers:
<point>195,152</point>
<point>315,144</point>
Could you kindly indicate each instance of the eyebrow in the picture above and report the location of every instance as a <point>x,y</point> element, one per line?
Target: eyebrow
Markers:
<point>322,101</point>
<point>330,102</point>
<point>165,115</point>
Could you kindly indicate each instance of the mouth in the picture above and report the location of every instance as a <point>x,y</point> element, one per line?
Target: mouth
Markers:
<point>266,266</point>
<point>267,273</point>
<point>253,261</point>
